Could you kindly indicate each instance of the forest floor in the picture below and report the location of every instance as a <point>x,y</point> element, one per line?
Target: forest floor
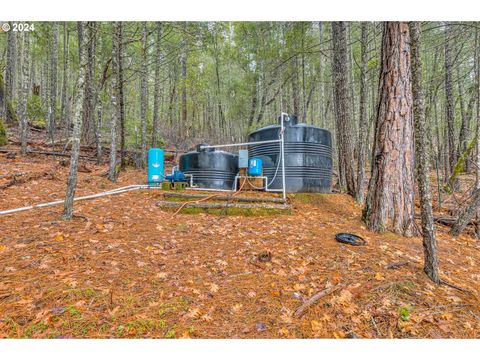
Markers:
<point>123,267</point>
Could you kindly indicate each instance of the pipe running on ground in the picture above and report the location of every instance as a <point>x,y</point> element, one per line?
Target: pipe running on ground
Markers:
<point>86,197</point>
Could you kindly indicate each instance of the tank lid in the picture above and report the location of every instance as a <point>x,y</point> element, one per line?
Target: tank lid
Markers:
<point>200,148</point>
<point>292,120</point>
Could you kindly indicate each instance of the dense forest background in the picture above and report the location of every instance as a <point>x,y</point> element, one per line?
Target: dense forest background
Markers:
<point>184,83</point>
<point>126,86</point>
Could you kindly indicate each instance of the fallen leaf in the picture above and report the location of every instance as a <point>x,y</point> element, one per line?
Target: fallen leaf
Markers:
<point>59,237</point>
<point>193,313</point>
<point>161,275</point>
<point>379,276</point>
<point>237,307</point>
<point>316,325</point>
<point>207,318</point>
<point>114,310</point>
<point>345,297</point>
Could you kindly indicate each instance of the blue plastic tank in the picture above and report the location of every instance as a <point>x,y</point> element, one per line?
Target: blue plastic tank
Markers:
<point>254,166</point>
<point>155,166</point>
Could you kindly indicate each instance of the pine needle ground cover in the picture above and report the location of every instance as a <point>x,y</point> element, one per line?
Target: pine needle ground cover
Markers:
<point>125,268</point>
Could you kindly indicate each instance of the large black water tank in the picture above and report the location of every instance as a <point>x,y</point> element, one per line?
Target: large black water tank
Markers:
<point>211,169</point>
<point>308,156</point>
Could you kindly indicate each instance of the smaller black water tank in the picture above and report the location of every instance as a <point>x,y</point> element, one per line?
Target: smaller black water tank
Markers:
<point>210,168</point>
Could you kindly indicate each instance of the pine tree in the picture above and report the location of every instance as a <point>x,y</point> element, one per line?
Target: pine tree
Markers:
<point>389,204</point>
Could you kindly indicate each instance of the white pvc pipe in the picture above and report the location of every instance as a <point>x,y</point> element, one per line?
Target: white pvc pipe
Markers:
<point>206,189</point>
<point>239,144</point>
<point>282,133</point>
<point>86,197</point>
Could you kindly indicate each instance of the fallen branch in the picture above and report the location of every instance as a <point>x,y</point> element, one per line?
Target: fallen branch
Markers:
<point>174,204</point>
<point>53,153</point>
<point>228,197</point>
<point>446,283</point>
<point>379,333</point>
<point>397,265</point>
<point>11,175</point>
<point>449,220</point>
<point>314,299</point>
<point>467,214</point>
<point>34,176</point>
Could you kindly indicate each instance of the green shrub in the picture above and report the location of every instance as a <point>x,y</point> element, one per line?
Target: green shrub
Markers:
<point>35,109</point>
<point>3,134</point>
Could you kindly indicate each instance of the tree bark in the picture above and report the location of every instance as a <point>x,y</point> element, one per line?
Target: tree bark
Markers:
<point>144,94</point>
<point>462,138</point>
<point>389,204</point>
<point>157,92</point>
<point>63,105</point>
<point>77,129</point>
<point>449,103</point>
<point>22,113</point>
<point>98,128</point>
<point>52,111</point>
<point>362,127</point>
<point>477,88</point>
<point>115,109</point>
<point>10,76</point>
<point>121,98</point>
<point>183,62</point>
<point>421,157</point>
<point>89,108</point>
<point>343,113</point>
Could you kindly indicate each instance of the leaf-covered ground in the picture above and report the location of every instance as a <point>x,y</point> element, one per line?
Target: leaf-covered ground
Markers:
<point>125,268</point>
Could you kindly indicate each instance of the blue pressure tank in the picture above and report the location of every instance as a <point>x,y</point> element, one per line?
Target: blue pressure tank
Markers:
<point>254,166</point>
<point>155,166</point>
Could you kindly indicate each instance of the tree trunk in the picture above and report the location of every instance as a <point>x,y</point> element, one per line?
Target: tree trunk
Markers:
<point>63,105</point>
<point>77,130</point>
<point>253,107</point>
<point>144,94</point>
<point>389,204</point>
<point>320,77</point>
<point>10,76</point>
<point>449,103</point>
<point>183,62</point>
<point>343,113</point>
<point>22,113</point>
<point>88,106</point>
<point>17,85</point>
<point>52,111</point>
<point>462,138</point>
<point>362,127</point>
<point>421,157</point>
<point>469,115</point>
<point>157,92</point>
<point>2,98</point>
<point>477,88</point>
<point>98,129</point>
<point>121,98</point>
<point>115,109</point>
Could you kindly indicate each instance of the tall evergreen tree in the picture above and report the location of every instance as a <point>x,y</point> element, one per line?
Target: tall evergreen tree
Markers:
<point>389,204</point>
